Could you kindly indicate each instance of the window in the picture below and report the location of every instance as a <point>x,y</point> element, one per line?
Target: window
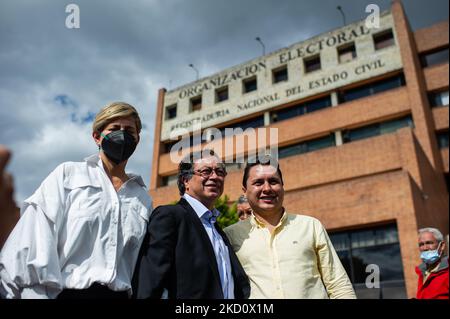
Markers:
<point>307,146</point>
<point>371,88</point>
<point>196,104</point>
<point>380,246</point>
<point>280,74</point>
<point>171,112</point>
<point>222,94</point>
<point>347,53</point>
<point>300,109</point>
<point>169,180</point>
<point>442,138</point>
<point>312,64</point>
<point>253,123</point>
<point>383,39</point>
<point>168,145</point>
<point>438,99</point>
<point>250,85</point>
<point>434,57</point>
<point>377,129</point>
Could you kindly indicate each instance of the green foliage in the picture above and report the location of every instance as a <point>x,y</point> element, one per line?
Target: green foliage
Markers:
<point>228,215</point>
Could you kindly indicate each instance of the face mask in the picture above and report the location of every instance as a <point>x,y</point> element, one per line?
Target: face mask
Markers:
<point>118,145</point>
<point>430,256</point>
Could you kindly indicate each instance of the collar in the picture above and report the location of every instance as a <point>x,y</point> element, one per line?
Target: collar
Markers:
<point>95,160</point>
<point>255,222</point>
<point>443,264</point>
<point>199,208</point>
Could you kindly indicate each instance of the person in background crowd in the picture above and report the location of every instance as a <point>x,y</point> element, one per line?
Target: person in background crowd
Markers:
<point>284,255</point>
<point>79,234</point>
<point>243,208</point>
<point>433,272</point>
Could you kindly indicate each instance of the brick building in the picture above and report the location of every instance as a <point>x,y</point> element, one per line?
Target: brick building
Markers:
<point>362,123</point>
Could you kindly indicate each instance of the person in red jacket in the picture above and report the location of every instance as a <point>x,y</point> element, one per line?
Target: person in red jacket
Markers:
<point>433,272</point>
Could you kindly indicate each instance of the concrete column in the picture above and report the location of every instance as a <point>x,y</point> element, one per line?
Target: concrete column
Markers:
<point>155,179</point>
<point>338,138</point>
<point>334,98</point>
<point>266,118</point>
<point>334,103</point>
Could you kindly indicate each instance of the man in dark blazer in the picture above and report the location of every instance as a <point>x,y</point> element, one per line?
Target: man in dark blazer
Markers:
<point>185,255</point>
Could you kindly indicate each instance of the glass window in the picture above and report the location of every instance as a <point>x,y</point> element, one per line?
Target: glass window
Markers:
<point>374,246</point>
<point>442,139</point>
<point>196,103</point>
<point>222,94</point>
<point>320,143</point>
<point>312,64</point>
<point>280,74</point>
<point>168,146</point>
<point>196,139</point>
<point>171,112</point>
<point>444,98</point>
<point>253,123</point>
<point>435,57</point>
<point>250,85</point>
<point>387,84</point>
<point>347,52</point>
<point>371,88</point>
<point>288,113</point>
<point>354,94</point>
<point>392,126</point>
<point>169,180</point>
<point>307,146</point>
<point>383,39</point>
<point>315,105</point>
<point>377,129</point>
<point>289,151</point>
<point>438,98</point>
<point>361,133</point>
<point>300,109</point>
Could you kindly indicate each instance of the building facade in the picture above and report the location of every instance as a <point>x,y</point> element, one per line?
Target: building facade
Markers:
<point>359,117</point>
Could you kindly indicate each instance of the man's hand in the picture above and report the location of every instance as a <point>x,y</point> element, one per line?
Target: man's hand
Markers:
<point>9,213</point>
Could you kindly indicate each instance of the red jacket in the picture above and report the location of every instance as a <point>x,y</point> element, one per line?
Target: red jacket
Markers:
<point>436,285</point>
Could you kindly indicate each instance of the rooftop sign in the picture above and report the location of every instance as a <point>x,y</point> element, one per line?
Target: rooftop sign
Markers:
<point>300,84</point>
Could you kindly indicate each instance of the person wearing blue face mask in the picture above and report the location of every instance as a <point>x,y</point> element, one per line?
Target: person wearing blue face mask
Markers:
<point>433,272</point>
<point>79,233</point>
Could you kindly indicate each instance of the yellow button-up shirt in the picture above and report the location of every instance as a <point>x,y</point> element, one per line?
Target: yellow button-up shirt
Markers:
<point>296,261</point>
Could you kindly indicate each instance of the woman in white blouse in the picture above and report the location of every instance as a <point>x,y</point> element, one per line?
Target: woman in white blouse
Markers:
<point>80,232</point>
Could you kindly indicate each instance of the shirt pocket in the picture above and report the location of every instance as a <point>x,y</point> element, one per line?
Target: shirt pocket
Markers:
<point>86,197</point>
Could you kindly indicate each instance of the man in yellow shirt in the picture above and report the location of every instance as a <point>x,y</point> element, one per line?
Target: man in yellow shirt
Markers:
<point>284,255</point>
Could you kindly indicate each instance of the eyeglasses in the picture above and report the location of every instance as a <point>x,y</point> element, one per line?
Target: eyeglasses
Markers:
<point>207,172</point>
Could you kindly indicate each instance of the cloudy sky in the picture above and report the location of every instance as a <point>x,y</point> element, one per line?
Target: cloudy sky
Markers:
<point>53,79</point>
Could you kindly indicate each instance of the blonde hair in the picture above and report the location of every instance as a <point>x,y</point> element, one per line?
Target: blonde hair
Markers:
<point>114,111</point>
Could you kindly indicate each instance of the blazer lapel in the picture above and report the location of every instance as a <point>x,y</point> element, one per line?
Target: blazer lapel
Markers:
<point>200,229</point>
